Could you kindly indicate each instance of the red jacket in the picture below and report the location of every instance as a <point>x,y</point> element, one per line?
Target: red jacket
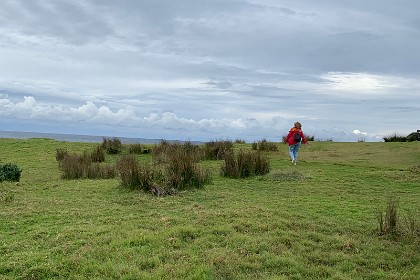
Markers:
<point>291,135</point>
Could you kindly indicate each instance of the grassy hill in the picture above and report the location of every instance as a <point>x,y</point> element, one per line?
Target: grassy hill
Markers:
<point>316,220</point>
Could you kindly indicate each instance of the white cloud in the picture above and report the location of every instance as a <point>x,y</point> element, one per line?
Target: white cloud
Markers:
<point>358,132</point>
<point>357,82</point>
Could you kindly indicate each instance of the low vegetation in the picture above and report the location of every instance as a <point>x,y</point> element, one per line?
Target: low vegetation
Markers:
<point>10,172</point>
<point>265,145</point>
<point>245,164</point>
<point>320,219</point>
<point>112,145</point>
<point>216,150</point>
<point>414,136</point>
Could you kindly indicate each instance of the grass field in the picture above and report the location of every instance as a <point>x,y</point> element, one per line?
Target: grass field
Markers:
<point>316,220</point>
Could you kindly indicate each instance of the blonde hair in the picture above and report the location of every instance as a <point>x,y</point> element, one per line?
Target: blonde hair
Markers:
<point>298,125</point>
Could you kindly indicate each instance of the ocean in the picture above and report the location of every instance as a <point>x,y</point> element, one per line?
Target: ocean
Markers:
<point>74,137</point>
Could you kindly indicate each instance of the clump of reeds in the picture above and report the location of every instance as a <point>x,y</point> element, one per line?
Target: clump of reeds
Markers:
<point>112,145</point>
<point>245,164</point>
<point>216,150</point>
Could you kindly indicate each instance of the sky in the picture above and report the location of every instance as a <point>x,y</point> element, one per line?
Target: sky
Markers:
<point>211,69</point>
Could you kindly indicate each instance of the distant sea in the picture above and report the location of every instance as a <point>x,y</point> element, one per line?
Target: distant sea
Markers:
<point>73,137</point>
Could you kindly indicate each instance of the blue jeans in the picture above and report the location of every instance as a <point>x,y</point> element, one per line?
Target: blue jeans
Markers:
<point>294,150</point>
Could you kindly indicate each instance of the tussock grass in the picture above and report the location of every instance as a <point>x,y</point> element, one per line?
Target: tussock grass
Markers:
<point>245,164</point>
<point>217,150</point>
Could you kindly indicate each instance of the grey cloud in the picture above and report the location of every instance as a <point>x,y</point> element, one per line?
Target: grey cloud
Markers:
<point>69,21</point>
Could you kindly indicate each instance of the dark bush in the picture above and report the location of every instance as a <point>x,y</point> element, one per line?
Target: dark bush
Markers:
<point>246,164</point>
<point>216,150</point>
<point>414,136</point>
<point>10,172</point>
<point>395,138</point>
<point>310,137</point>
<point>240,141</point>
<point>112,146</point>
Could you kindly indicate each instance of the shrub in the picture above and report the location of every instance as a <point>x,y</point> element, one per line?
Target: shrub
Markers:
<point>264,145</point>
<point>75,166</point>
<point>60,154</point>
<point>98,171</point>
<point>10,172</point>
<point>216,150</point>
<point>182,172</point>
<point>395,138</point>
<point>240,141</point>
<point>175,168</point>
<point>133,174</point>
<point>135,149</point>
<point>246,163</point>
<point>163,152</point>
<point>310,137</point>
<point>112,146</point>
<point>98,155</point>
<point>262,164</point>
<point>414,136</point>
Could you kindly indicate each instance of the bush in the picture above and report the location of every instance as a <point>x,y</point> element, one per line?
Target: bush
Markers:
<point>60,154</point>
<point>112,146</point>
<point>264,145</point>
<point>216,150</point>
<point>76,166</point>
<point>310,137</point>
<point>175,168</point>
<point>98,171</point>
<point>133,175</point>
<point>165,151</point>
<point>182,171</point>
<point>395,138</point>
<point>98,155</point>
<point>135,149</point>
<point>414,136</point>
<point>246,164</point>
<point>10,172</point>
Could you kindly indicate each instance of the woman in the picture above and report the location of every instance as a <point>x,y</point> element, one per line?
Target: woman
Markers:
<point>294,139</point>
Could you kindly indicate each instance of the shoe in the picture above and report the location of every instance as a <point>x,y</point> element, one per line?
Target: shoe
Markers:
<point>295,161</point>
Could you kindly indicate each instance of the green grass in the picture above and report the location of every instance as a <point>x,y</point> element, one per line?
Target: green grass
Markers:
<point>316,220</point>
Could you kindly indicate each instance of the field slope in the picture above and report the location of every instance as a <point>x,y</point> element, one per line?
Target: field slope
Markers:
<point>316,220</point>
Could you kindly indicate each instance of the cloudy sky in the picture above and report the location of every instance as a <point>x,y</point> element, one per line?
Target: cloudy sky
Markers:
<point>210,69</point>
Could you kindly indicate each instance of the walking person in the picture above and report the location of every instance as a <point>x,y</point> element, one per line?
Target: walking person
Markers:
<point>294,139</point>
